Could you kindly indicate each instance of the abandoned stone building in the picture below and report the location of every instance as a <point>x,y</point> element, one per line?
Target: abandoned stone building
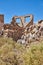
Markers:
<point>14,27</point>
<point>16,30</point>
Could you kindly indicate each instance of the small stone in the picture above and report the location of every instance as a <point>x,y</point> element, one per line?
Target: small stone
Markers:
<point>19,41</point>
<point>23,41</point>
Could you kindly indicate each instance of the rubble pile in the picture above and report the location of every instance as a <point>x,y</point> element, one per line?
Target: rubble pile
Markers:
<point>32,33</point>
<point>14,32</point>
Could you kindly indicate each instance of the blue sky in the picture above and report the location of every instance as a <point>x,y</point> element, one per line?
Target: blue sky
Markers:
<point>11,8</point>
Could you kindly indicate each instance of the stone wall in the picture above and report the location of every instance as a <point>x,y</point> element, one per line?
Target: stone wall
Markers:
<point>1,23</point>
<point>22,18</point>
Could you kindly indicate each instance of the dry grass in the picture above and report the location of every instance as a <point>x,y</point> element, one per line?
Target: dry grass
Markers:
<point>12,53</point>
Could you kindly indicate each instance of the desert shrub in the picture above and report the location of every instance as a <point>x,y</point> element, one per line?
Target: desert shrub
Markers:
<point>9,51</point>
<point>34,55</point>
<point>5,41</point>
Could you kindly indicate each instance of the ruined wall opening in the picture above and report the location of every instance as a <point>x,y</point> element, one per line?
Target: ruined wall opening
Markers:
<point>27,19</point>
<point>18,20</point>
